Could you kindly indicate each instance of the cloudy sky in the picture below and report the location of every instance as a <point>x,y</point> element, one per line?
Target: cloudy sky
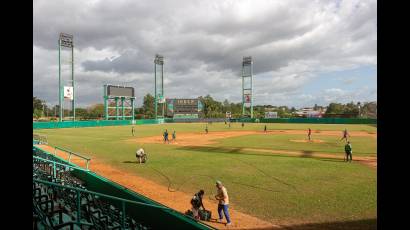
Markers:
<point>304,52</point>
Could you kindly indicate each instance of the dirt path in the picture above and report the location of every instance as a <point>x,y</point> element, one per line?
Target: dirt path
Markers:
<point>176,200</point>
<point>202,139</point>
<point>369,161</point>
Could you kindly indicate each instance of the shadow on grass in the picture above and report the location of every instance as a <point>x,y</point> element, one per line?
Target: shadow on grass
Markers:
<point>130,162</point>
<point>307,153</point>
<point>331,159</point>
<point>238,151</point>
<point>366,224</point>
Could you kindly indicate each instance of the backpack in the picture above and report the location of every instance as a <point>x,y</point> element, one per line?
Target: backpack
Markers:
<point>205,215</point>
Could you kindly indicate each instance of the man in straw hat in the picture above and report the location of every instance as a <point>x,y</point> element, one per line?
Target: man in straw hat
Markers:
<point>223,204</point>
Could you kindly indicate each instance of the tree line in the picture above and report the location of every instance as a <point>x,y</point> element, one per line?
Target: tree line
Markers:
<point>213,109</point>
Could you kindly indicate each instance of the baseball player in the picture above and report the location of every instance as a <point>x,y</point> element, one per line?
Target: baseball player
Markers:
<point>309,134</point>
<point>133,131</point>
<point>348,151</point>
<point>264,129</point>
<point>206,129</point>
<point>166,136</point>
<point>345,135</point>
<point>174,136</point>
<point>141,156</point>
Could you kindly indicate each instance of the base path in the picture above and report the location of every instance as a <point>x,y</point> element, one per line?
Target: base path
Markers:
<point>202,139</point>
<point>369,161</point>
<point>176,200</point>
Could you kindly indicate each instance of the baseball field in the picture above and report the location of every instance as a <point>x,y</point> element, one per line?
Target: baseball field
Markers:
<point>277,178</point>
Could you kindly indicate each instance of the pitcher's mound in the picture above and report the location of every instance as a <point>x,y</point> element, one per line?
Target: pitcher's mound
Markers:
<point>305,141</point>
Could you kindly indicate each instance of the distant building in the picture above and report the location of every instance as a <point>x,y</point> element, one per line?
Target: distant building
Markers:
<point>310,112</point>
<point>271,114</point>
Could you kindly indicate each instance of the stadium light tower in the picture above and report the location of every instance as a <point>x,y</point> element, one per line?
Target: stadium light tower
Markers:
<point>247,85</point>
<point>66,40</point>
<point>159,84</point>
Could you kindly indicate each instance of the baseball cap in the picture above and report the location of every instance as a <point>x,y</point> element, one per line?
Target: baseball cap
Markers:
<point>218,182</point>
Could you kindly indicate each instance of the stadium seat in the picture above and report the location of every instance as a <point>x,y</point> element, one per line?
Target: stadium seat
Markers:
<point>56,207</point>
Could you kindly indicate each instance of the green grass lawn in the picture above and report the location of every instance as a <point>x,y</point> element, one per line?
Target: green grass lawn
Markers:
<point>362,146</point>
<point>276,188</point>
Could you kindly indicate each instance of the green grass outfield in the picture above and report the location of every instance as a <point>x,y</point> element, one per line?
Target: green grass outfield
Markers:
<point>282,189</point>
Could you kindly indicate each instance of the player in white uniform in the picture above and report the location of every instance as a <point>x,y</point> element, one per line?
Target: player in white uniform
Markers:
<point>141,156</point>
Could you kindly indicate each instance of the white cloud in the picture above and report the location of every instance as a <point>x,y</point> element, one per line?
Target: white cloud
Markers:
<point>203,43</point>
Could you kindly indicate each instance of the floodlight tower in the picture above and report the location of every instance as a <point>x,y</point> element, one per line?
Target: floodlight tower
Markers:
<point>159,84</point>
<point>66,40</point>
<point>247,86</point>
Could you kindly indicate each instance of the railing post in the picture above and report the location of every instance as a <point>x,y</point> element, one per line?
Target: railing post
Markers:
<point>54,169</point>
<point>123,214</point>
<point>78,207</point>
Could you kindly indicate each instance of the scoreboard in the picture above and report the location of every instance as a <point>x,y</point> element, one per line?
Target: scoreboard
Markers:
<point>119,91</point>
<point>183,107</point>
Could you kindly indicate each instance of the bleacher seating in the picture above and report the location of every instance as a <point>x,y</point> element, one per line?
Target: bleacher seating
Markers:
<point>56,207</point>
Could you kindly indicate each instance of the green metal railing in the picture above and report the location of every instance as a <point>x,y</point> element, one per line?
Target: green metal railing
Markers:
<point>72,153</point>
<point>78,192</point>
<point>92,123</point>
<point>61,164</point>
<point>102,185</point>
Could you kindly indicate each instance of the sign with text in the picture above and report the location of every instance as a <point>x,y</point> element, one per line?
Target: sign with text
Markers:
<point>68,92</point>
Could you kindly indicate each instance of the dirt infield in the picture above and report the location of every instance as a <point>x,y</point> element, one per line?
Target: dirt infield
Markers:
<point>306,141</point>
<point>176,200</point>
<point>202,139</point>
<point>194,139</point>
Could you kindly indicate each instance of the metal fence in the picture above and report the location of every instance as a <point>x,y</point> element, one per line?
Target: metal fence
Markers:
<point>97,123</point>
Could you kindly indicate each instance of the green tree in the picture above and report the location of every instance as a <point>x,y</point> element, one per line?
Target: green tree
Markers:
<point>212,108</point>
<point>148,106</point>
<point>351,108</point>
<point>335,108</point>
<point>96,111</point>
<point>81,113</point>
<point>226,106</point>
<point>39,104</point>
<point>38,113</point>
